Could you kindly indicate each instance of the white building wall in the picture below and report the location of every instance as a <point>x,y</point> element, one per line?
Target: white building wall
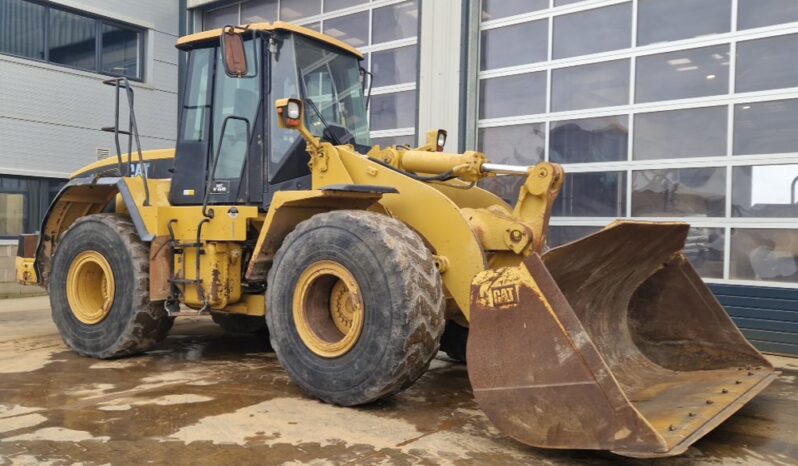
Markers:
<point>50,115</point>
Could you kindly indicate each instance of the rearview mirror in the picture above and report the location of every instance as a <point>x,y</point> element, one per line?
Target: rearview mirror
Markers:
<point>290,112</point>
<point>233,54</point>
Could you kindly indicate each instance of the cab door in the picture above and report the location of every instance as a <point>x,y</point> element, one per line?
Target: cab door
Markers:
<point>221,145</point>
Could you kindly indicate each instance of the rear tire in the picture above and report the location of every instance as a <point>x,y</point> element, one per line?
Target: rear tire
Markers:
<point>130,323</point>
<point>395,290</point>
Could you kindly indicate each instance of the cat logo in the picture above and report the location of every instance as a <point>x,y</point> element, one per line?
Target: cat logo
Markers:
<point>504,295</point>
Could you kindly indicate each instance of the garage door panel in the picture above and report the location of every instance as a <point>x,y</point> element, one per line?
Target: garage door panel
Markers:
<point>757,313</point>
<point>770,325</point>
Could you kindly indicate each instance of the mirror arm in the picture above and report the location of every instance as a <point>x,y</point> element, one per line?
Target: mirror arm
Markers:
<point>368,73</point>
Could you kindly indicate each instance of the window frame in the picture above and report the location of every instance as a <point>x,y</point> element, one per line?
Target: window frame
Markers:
<point>99,22</point>
<point>731,99</point>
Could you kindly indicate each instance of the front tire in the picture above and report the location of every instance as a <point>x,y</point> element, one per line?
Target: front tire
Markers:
<point>355,306</point>
<point>99,290</point>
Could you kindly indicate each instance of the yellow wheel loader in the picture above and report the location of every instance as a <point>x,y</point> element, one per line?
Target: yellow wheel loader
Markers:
<point>275,215</point>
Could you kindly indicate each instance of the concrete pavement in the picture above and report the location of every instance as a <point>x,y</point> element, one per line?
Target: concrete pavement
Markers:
<point>204,397</point>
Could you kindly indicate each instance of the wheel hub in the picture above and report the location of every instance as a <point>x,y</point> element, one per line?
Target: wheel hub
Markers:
<point>328,309</point>
<point>90,287</point>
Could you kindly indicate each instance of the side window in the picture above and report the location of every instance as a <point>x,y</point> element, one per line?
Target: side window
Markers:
<point>238,98</point>
<point>197,105</point>
<point>284,84</point>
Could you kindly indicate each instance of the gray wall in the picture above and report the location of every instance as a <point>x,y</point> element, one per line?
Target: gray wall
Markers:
<point>50,115</point>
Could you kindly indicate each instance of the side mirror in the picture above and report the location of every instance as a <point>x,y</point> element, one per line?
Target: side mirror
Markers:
<point>234,55</point>
<point>290,113</point>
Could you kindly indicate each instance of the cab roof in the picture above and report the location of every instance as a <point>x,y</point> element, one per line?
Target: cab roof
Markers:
<point>186,42</point>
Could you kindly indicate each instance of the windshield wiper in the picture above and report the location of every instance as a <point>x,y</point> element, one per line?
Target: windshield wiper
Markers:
<point>327,132</point>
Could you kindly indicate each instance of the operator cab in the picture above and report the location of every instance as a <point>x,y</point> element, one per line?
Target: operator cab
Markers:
<point>230,149</point>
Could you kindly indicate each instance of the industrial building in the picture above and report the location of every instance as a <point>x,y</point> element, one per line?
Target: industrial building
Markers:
<point>665,110</point>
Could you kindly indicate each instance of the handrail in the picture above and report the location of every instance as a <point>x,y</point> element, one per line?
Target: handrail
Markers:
<point>132,133</point>
<point>212,174</point>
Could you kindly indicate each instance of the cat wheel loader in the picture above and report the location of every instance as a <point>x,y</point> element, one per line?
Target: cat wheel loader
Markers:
<point>275,215</point>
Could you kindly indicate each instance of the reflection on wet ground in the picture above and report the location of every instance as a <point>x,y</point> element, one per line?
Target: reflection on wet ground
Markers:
<point>203,397</point>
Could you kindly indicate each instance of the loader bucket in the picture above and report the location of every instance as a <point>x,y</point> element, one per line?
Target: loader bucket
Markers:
<point>612,342</point>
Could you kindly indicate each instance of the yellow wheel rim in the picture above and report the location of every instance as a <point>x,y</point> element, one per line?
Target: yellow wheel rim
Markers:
<point>90,287</point>
<point>328,309</point>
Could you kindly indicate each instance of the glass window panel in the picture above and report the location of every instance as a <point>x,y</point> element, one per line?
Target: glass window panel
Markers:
<point>259,11</point>
<point>766,127</point>
<point>683,74</point>
<point>764,254</point>
<point>395,22</point>
<point>566,2</point>
<point>220,17</point>
<point>679,192</point>
<point>394,66</point>
<point>294,9</point>
<point>593,31</point>
<point>765,191</point>
<point>12,214</point>
<point>704,249</point>
<point>315,26</point>
<point>409,141</point>
<point>22,28</point>
<point>559,235</point>
<point>696,132</point>
<point>758,13</point>
<point>506,187</point>
<point>514,45</point>
<point>237,97</point>
<point>592,195</point>
<point>73,40</point>
<point>494,9</point>
<point>391,111</point>
<point>600,139</point>
<point>666,20</point>
<point>521,94</point>
<point>120,52</point>
<point>513,145</point>
<point>590,86</point>
<point>769,63</point>
<point>197,98</point>
<point>23,203</point>
<point>352,29</point>
<point>333,5</point>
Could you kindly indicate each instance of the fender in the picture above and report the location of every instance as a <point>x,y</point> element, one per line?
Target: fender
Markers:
<point>78,198</point>
<point>289,208</point>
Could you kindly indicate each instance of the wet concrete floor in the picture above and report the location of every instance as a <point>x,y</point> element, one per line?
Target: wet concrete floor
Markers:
<point>203,397</point>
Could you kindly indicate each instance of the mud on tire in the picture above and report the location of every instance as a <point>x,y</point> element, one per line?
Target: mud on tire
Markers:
<point>133,324</point>
<point>402,297</point>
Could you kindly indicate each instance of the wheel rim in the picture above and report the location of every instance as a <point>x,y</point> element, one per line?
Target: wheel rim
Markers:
<point>328,309</point>
<point>90,287</point>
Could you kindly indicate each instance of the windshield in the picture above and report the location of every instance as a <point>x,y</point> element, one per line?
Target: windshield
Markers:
<point>331,80</point>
